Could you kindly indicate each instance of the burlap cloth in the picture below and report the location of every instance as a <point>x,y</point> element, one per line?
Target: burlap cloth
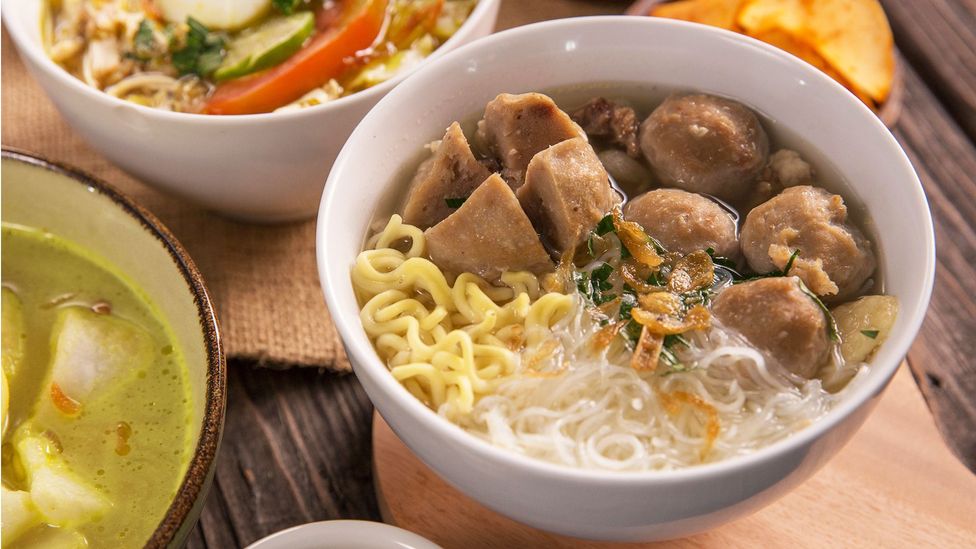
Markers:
<point>262,279</point>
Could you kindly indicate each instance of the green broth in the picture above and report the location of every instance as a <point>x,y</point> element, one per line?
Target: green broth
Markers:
<point>48,274</point>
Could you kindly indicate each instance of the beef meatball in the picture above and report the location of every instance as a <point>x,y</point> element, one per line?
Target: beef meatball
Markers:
<point>705,144</point>
<point>834,259</point>
<point>684,222</point>
<point>779,319</point>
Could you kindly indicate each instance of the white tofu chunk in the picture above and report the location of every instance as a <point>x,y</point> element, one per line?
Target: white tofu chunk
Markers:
<point>92,353</point>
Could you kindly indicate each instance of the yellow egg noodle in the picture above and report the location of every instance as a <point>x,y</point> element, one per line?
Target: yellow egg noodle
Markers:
<point>447,344</point>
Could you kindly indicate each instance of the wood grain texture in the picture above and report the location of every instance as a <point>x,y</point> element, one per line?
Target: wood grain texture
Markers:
<point>938,37</point>
<point>893,485</point>
<point>296,449</point>
<point>942,358</point>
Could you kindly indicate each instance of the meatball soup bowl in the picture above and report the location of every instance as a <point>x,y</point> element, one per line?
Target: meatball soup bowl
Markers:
<point>573,476</point>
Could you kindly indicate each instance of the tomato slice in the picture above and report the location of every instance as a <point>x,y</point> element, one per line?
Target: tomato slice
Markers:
<point>325,57</point>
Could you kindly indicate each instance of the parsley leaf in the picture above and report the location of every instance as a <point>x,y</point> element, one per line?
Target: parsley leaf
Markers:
<point>203,51</point>
<point>789,262</point>
<point>455,202</point>
<point>873,334</point>
<point>770,274</point>
<point>144,41</point>
<point>832,330</point>
<point>286,6</point>
<point>605,225</point>
<point>668,358</point>
<point>600,276</point>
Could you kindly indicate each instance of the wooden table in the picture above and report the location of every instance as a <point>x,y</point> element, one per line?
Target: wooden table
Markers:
<point>296,444</point>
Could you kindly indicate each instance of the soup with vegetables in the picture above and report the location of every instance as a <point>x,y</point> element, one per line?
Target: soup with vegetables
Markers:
<point>244,56</point>
<point>632,283</point>
<point>96,404</point>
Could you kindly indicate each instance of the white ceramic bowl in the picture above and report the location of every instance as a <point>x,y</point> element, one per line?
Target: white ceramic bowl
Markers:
<point>111,226</point>
<point>616,505</point>
<point>263,167</point>
<point>347,534</point>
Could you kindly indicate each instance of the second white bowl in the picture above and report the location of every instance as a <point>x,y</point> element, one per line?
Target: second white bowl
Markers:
<point>263,167</point>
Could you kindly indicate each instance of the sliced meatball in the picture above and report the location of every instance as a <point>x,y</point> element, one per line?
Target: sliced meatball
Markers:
<point>685,222</point>
<point>516,127</point>
<point>451,172</point>
<point>566,193</point>
<point>834,259</point>
<point>615,124</point>
<point>778,318</point>
<point>705,144</point>
<point>488,235</point>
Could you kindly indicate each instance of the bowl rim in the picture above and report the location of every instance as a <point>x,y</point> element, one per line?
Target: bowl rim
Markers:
<point>333,532</point>
<point>204,455</point>
<point>367,363</point>
<point>28,47</point>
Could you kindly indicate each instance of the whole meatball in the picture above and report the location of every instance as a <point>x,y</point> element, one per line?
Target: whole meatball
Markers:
<point>778,318</point>
<point>705,144</point>
<point>684,222</point>
<point>835,259</point>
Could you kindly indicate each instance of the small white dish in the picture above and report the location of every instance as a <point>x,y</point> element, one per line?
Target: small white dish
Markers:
<point>259,167</point>
<point>345,534</point>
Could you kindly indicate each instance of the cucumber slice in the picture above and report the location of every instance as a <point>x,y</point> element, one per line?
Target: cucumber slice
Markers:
<point>215,14</point>
<point>266,45</point>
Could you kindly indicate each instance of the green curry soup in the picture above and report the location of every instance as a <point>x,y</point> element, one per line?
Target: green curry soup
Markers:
<point>97,435</point>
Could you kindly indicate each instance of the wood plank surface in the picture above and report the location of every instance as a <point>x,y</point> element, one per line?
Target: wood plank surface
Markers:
<point>893,485</point>
<point>938,38</point>
<point>297,448</point>
<point>943,358</point>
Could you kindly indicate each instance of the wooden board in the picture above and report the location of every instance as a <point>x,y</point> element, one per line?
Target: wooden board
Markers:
<point>894,484</point>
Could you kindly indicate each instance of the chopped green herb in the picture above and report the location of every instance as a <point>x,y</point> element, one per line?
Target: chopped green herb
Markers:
<point>701,296</point>
<point>873,334</point>
<point>286,6</point>
<point>658,247</point>
<point>589,245</point>
<point>628,300</point>
<point>772,274</point>
<point>143,44</point>
<point>455,202</point>
<point>600,276</point>
<point>789,262</point>
<point>832,330</point>
<point>675,339</point>
<point>657,278</point>
<point>203,51</point>
<point>605,225</point>
<point>723,261</point>
<point>624,252</point>
<point>582,281</point>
